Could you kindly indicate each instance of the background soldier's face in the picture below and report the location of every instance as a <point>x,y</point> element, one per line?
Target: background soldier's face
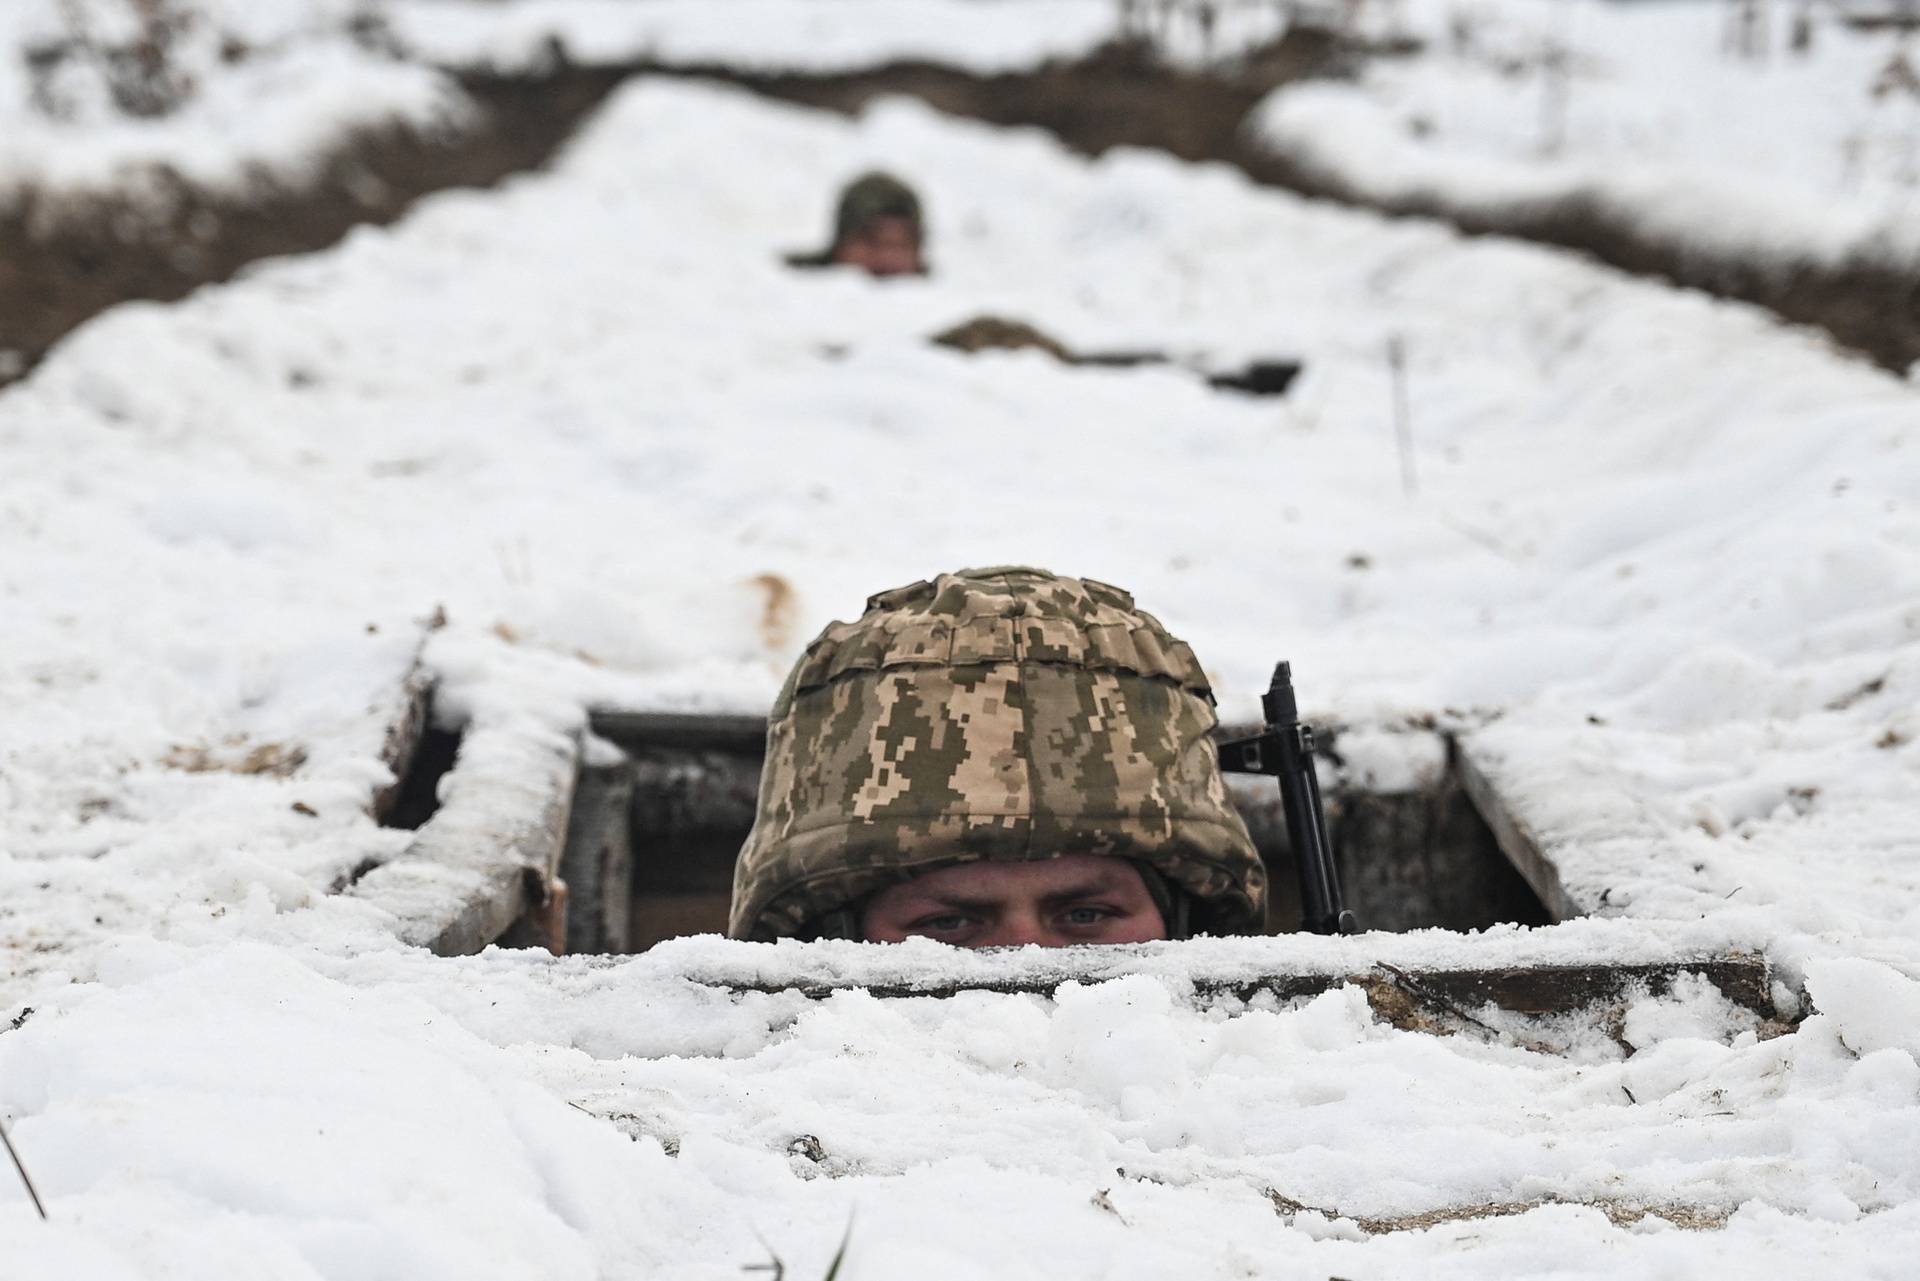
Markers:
<point>882,247</point>
<point>1083,898</point>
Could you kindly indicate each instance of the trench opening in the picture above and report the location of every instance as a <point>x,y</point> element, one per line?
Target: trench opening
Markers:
<point>417,797</point>
<point>653,837</point>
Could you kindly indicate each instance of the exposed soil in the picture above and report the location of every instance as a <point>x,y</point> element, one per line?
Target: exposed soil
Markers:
<point>66,261</point>
<point>60,267</point>
<point>1624,1214</point>
<point>1862,304</point>
<point>1120,96</point>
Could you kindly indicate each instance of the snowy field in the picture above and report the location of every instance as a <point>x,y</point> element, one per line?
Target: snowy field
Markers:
<point>1641,109</point>
<point>1660,566</point>
<point>257,90</point>
<point>253,90</point>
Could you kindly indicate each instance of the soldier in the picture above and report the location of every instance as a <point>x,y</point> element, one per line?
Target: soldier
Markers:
<point>998,757</point>
<point>877,227</point>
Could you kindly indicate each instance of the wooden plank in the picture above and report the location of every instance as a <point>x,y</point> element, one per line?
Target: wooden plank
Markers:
<point>686,731</point>
<point>597,863</point>
<point>724,732</point>
<point>492,852</point>
<point>1743,978</point>
<point>406,724</point>
<point>1517,839</point>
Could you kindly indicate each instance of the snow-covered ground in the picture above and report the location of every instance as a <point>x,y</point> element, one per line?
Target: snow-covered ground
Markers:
<point>1637,109</point>
<point>267,89</point>
<point>239,1111</point>
<point>253,90</point>
<point>986,36</point>
<point>1661,563</point>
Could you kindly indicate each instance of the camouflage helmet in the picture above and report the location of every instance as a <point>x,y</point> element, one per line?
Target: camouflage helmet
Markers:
<point>872,196</point>
<point>993,714</point>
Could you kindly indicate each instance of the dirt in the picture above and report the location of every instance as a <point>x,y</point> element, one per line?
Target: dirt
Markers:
<point>275,760</point>
<point>1621,1213</point>
<point>779,611</point>
<point>1119,96</point>
<point>1862,304</point>
<point>63,264</point>
<point>997,333</point>
<point>56,272</point>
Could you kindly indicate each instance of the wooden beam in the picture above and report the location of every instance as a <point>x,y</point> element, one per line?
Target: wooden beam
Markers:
<point>685,731</point>
<point>597,864</point>
<point>492,852</point>
<point>722,731</point>
<point>1742,978</point>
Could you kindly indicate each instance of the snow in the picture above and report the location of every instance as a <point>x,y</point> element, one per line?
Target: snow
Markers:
<point>392,1115</point>
<point>1788,158</point>
<point>312,74</point>
<point>348,439</point>
<point>1659,575</point>
<point>301,89</point>
<point>984,36</point>
<point>1208,962</point>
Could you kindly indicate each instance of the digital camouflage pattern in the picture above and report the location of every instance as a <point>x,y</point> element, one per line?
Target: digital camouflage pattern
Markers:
<point>1003,714</point>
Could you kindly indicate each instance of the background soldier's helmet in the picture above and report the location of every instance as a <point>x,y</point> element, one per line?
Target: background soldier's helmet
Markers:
<point>1000,714</point>
<point>870,197</point>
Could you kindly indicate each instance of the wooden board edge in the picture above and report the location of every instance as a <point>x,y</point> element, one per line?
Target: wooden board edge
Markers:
<point>1514,835</point>
<point>504,865</point>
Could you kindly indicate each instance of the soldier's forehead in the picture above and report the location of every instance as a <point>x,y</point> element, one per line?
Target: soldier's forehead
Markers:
<point>1071,872</point>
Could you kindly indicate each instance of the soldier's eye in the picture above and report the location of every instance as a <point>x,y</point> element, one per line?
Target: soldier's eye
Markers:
<point>944,923</point>
<point>1086,915</point>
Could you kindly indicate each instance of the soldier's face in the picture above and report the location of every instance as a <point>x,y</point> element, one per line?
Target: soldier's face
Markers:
<point>883,247</point>
<point>1083,898</point>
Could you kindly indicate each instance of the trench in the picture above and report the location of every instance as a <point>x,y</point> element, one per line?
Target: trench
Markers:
<point>56,272</point>
<point>650,849</point>
<point>65,259</point>
<point>610,847</point>
<point>655,828</point>
<point>1123,96</point>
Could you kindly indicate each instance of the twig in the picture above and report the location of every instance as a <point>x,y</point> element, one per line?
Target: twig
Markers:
<point>32,1192</point>
<point>1435,1000</point>
<point>1402,413</point>
<point>1427,996</point>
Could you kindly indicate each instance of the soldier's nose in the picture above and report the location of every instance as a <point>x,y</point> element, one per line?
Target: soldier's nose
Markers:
<point>1018,930</point>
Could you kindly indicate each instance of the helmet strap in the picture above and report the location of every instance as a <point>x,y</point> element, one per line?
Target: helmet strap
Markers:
<point>841,923</point>
<point>1175,904</point>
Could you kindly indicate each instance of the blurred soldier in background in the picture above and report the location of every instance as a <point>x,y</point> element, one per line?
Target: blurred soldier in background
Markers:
<point>877,227</point>
<point>998,757</point>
